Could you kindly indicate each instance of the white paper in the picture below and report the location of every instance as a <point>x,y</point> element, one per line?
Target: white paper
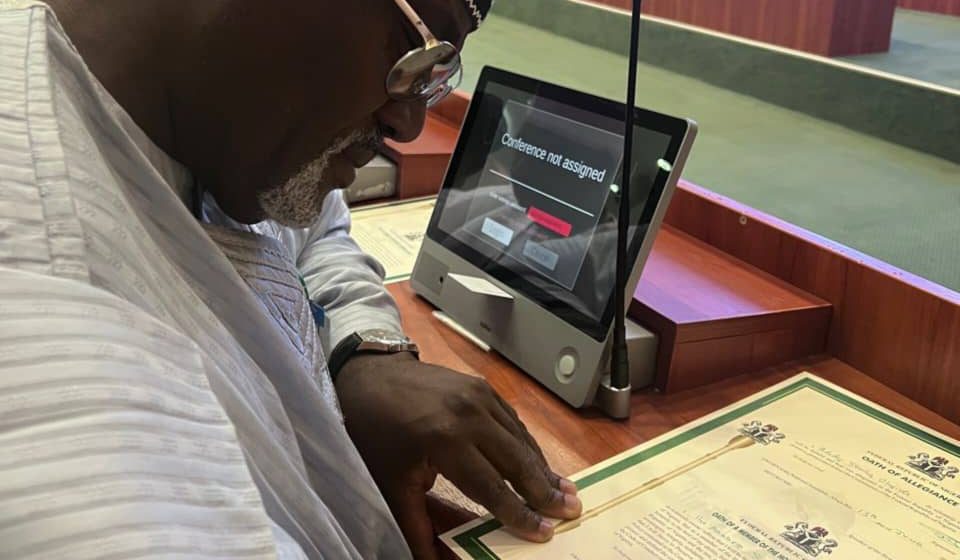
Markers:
<point>392,234</point>
<point>480,286</point>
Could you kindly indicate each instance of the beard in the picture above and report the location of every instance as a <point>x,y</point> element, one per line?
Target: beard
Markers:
<point>298,201</point>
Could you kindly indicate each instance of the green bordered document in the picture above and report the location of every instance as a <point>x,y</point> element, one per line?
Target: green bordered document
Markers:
<point>802,470</point>
<point>392,233</point>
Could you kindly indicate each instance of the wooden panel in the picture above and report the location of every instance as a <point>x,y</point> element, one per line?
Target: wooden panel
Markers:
<point>422,163</point>
<point>894,326</point>
<point>453,109</point>
<point>718,316</point>
<point>799,24</point>
<point>825,27</point>
<point>862,26</point>
<point>951,7</point>
<point>707,361</point>
<point>694,284</point>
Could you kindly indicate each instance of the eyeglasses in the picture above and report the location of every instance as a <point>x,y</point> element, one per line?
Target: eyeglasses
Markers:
<point>428,73</point>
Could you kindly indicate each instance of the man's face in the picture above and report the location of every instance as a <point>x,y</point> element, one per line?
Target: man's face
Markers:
<point>291,100</point>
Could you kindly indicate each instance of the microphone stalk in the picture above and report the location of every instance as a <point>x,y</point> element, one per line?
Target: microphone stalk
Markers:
<point>619,362</point>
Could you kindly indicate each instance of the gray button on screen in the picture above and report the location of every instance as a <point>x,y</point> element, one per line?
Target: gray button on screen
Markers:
<point>540,255</point>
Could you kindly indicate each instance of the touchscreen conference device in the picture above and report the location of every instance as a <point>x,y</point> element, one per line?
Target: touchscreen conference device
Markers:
<point>529,205</point>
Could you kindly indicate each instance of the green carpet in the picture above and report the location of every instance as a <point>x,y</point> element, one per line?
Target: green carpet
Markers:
<point>890,202</point>
<point>925,47</point>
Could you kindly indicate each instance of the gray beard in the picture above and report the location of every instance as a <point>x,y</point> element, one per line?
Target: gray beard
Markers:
<point>299,201</point>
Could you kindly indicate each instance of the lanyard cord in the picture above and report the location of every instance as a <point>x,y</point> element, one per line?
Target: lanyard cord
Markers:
<point>196,200</point>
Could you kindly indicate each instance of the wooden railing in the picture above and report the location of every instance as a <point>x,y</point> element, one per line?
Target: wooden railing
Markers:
<point>896,327</point>
<point>824,27</point>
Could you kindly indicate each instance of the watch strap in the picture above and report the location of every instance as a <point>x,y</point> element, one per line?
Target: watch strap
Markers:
<point>341,353</point>
<point>375,341</point>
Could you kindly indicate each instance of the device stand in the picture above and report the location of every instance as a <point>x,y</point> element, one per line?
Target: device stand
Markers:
<point>613,401</point>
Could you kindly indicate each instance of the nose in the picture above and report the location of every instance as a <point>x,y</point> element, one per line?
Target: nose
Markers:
<point>402,121</point>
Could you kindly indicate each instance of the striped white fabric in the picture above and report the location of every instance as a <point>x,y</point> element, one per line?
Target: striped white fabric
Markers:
<point>340,277</point>
<point>113,443</point>
<point>161,391</point>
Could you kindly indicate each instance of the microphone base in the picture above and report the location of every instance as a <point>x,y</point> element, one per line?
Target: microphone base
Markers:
<point>613,401</point>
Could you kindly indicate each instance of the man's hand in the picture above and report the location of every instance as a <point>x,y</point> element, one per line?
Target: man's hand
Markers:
<point>411,421</point>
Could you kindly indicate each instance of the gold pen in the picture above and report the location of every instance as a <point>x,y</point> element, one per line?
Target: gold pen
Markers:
<point>739,442</point>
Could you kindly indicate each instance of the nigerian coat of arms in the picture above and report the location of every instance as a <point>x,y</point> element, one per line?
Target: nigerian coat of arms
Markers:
<point>813,541</point>
<point>937,468</point>
<point>764,434</point>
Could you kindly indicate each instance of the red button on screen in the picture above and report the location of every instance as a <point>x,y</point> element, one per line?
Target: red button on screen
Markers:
<point>549,221</point>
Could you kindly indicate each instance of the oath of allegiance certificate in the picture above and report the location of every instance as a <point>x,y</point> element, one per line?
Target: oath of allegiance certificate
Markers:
<point>392,233</point>
<point>802,470</point>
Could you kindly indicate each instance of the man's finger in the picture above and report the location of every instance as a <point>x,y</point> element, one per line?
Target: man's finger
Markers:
<point>566,485</point>
<point>516,428</point>
<point>409,505</point>
<point>481,482</point>
<point>530,476</point>
<point>509,419</point>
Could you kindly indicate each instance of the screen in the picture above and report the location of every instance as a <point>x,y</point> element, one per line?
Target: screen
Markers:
<point>531,197</point>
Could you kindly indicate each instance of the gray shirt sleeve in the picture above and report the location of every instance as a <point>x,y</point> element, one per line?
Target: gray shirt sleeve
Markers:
<point>339,276</point>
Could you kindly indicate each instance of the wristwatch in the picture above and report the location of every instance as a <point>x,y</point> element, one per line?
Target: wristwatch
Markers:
<point>374,341</point>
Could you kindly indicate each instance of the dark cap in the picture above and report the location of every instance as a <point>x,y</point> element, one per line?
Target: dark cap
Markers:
<point>478,10</point>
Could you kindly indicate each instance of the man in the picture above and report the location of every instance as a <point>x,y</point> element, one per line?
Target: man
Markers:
<point>164,380</point>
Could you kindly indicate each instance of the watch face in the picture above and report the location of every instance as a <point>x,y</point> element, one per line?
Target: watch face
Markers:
<point>382,336</point>
<point>378,340</point>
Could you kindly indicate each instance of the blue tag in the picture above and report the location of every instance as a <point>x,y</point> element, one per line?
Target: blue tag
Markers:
<point>319,315</point>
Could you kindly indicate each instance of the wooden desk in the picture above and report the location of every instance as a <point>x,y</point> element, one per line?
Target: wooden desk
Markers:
<point>573,440</point>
